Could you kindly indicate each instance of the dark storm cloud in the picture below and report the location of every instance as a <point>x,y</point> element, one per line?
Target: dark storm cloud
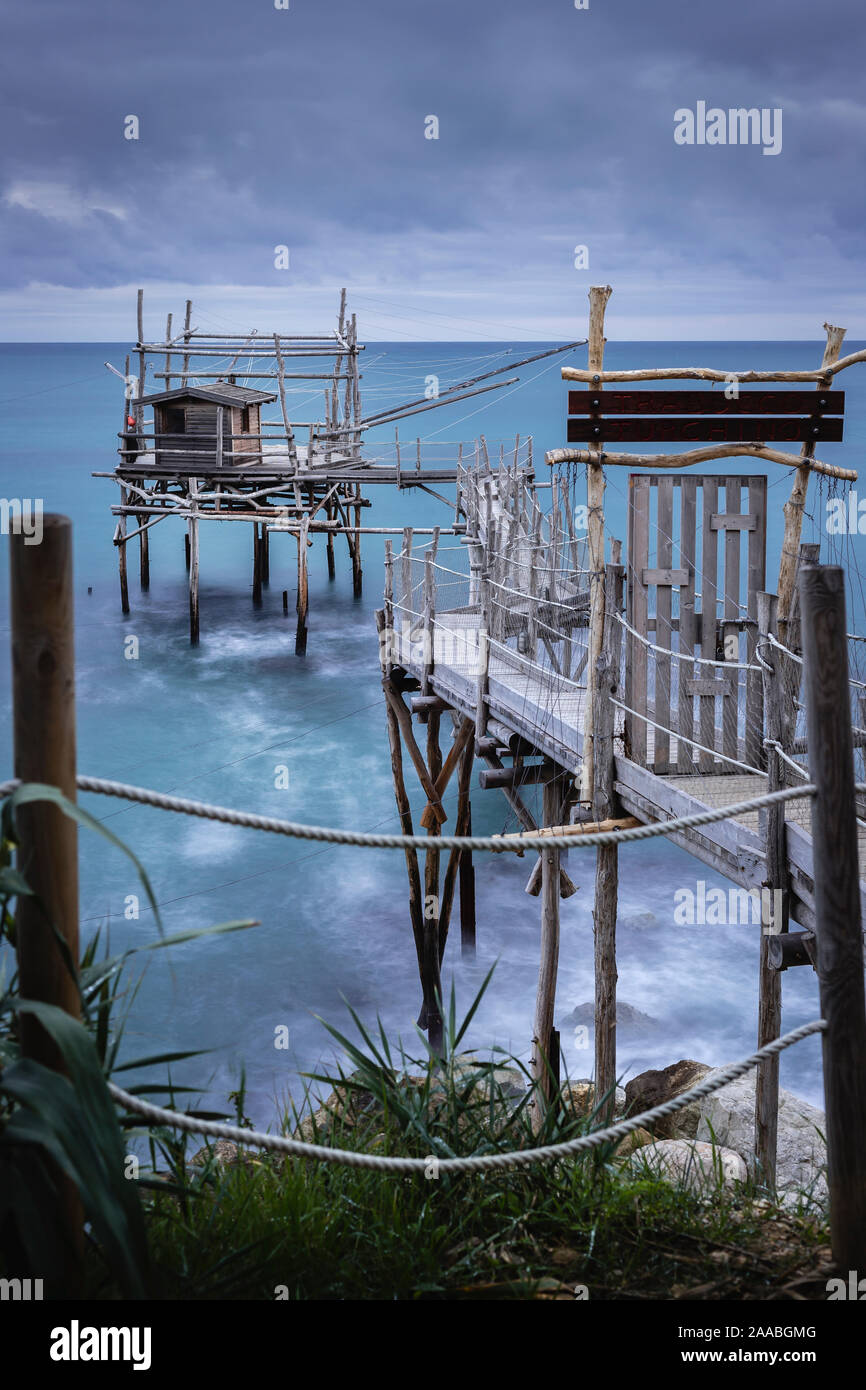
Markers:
<point>305,126</point>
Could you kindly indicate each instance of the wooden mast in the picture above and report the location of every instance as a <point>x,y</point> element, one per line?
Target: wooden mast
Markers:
<point>598,297</point>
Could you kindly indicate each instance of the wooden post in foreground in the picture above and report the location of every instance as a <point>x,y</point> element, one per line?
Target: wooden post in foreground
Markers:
<point>837,906</point>
<point>43,699</point>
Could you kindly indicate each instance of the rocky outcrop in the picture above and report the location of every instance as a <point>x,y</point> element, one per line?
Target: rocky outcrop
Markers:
<point>579,1097</point>
<point>653,1088</point>
<point>699,1167</point>
<point>631,1024</point>
<point>728,1116</point>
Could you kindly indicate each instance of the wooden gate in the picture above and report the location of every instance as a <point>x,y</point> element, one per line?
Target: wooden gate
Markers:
<point>693,577</point>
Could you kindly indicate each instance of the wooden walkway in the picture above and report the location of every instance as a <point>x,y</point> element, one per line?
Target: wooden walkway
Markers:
<point>532,705</point>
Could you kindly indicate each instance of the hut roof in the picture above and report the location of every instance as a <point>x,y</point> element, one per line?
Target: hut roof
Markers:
<point>219,394</point>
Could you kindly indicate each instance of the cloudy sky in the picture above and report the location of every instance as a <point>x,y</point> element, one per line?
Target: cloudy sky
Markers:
<point>305,127</point>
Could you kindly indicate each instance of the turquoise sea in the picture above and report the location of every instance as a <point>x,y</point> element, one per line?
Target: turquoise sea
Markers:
<point>216,723</point>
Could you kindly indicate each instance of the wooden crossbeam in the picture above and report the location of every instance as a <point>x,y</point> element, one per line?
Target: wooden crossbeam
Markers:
<point>650,430</point>
<point>706,403</point>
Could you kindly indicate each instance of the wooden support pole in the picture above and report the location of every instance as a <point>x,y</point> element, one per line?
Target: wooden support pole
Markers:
<point>43,700</point>
<point>416,904</point>
<point>331,514</point>
<point>467,869</point>
<point>430,979</point>
<point>303,590</point>
<point>545,999</point>
<point>144,559</point>
<point>838,926</point>
<point>186,551</point>
<point>462,754</point>
<point>769,979</point>
<point>357,572</point>
<point>257,565</point>
<point>192,556</point>
<point>122,557</point>
<point>266,555</point>
<point>796,503</point>
<point>606,688</point>
<point>598,297</point>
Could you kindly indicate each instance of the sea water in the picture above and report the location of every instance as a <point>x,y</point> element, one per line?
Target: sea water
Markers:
<point>221,722</point>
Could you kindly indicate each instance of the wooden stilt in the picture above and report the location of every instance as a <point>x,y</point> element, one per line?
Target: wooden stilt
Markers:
<point>303,590</point>
<point>548,966</point>
<point>607,856</point>
<point>467,869</point>
<point>416,903</point>
<point>769,979</point>
<point>431,978</point>
<point>144,560</point>
<point>186,551</point>
<point>265,542</point>
<point>463,754</point>
<point>121,557</point>
<point>357,572</point>
<point>332,568</point>
<point>192,552</point>
<point>257,565</point>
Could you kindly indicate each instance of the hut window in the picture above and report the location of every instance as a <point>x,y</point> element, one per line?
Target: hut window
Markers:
<point>245,420</point>
<point>174,420</point>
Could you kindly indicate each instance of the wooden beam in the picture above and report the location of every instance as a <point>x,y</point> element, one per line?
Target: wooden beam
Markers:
<point>701,455</point>
<point>404,719</point>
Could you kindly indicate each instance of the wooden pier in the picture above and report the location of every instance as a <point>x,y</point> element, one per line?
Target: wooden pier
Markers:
<point>633,689</point>
<point>207,454</point>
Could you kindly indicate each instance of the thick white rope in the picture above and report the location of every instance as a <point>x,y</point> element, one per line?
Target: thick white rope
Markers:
<point>774,642</point>
<point>495,843</point>
<point>519,1158</point>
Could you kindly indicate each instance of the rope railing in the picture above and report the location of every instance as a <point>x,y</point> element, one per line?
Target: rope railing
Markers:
<point>683,656</point>
<point>476,1163</point>
<point>493,843</point>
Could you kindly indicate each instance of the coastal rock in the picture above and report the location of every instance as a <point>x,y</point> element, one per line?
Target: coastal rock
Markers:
<point>507,1081</point>
<point>636,1140</point>
<point>685,1163</point>
<point>637,921</point>
<point>653,1088</point>
<point>729,1116</point>
<point>225,1154</point>
<point>631,1023</point>
<point>579,1096</point>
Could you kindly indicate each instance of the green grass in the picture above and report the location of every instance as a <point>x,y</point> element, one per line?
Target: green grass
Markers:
<point>298,1229</point>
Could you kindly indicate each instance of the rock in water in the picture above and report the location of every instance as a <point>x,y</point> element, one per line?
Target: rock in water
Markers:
<point>685,1163</point>
<point>579,1096</point>
<point>630,1021</point>
<point>653,1088</point>
<point>802,1153</point>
